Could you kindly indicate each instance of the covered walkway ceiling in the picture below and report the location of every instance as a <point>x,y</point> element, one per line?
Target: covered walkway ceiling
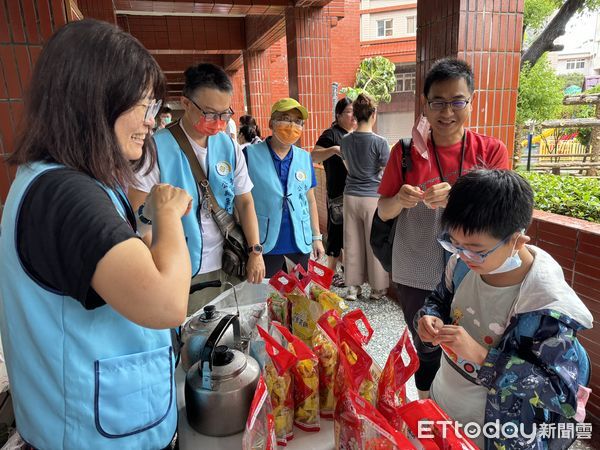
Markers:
<point>180,33</point>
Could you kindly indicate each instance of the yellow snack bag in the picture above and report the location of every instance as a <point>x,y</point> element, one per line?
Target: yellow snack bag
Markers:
<point>305,314</point>
<point>306,383</point>
<point>325,348</point>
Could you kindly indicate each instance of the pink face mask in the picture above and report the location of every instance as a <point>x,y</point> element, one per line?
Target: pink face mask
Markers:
<point>420,135</point>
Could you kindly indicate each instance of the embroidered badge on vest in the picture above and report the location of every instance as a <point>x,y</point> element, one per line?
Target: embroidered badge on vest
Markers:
<point>223,168</point>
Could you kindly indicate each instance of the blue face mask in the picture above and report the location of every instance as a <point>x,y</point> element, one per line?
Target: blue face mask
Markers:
<point>511,263</point>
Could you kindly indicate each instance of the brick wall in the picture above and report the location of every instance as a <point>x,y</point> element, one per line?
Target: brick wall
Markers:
<point>345,45</point>
<point>279,70</point>
<point>24,27</point>
<point>575,244</point>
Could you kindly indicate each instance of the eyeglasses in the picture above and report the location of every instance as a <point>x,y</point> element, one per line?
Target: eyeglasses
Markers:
<point>287,119</point>
<point>152,109</point>
<point>212,117</point>
<point>440,105</point>
<point>476,257</point>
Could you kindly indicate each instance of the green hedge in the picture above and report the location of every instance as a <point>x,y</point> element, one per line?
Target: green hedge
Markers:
<point>566,195</point>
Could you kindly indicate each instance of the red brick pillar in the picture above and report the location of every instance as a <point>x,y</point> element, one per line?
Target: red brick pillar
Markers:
<point>238,102</point>
<point>258,87</point>
<point>309,71</point>
<point>488,35</point>
<point>24,28</point>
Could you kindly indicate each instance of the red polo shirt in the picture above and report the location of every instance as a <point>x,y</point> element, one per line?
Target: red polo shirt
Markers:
<point>480,152</point>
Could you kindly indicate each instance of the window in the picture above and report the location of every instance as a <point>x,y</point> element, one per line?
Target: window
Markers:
<point>405,82</point>
<point>574,64</point>
<point>410,24</point>
<point>385,27</point>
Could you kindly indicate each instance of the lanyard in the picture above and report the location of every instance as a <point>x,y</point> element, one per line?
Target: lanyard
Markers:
<point>462,156</point>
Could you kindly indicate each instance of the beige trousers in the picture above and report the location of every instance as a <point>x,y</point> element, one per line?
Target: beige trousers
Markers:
<point>360,265</point>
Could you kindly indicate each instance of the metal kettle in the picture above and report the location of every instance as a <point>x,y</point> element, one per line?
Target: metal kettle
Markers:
<point>195,333</point>
<point>219,388</point>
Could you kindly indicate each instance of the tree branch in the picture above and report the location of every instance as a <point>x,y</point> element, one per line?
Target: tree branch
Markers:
<point>545,41</point>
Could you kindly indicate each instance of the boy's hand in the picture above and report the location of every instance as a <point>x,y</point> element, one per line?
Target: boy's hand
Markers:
<point>436,196</point>
<point>428,328</point>
<point>460,342</point>
<point>409,196</point>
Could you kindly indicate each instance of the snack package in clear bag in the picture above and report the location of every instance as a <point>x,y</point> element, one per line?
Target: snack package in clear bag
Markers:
<point>436,430</point>
<point>260,425</point>
<point>401,364</point>
<point>305,314</point>
<point>355,368</point>
<point>281,284</point>
<point>324,345</point>
<point>278,377</point>
<point>359,426</point>
<point>306,382</point>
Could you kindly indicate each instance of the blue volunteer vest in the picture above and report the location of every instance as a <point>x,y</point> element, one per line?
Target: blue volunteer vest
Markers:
<point>269,197</point>
<point>175,170</point>
<point>79,378</point>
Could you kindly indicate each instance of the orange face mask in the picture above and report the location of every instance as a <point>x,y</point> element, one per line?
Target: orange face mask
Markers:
<point>287,132</point>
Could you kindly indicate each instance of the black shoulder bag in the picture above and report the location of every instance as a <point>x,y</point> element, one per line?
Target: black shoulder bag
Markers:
<point>235,253</point>
<point>383,232</point>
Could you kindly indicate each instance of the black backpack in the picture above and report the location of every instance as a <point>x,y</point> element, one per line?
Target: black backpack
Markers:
<point>382,232</point>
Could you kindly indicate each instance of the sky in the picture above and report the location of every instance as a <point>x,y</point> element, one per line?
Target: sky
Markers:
<point>581,28</point>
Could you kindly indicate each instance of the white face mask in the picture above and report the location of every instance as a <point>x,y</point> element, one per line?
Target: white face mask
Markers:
<point>511,263</point>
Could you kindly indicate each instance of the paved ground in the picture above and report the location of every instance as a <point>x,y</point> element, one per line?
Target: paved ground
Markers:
<point>387,320</point>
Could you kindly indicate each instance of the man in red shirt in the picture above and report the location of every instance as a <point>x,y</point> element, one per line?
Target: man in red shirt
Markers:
<point>417,201</point>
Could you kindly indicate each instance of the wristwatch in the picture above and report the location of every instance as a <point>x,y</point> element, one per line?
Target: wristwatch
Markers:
<point>256,249</point>
<point>141,216</point>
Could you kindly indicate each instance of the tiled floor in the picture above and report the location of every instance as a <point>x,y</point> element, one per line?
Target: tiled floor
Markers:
<point>387,320</point>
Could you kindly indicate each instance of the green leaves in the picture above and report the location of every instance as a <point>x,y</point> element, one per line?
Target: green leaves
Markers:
<point>540,93</point>
<point>375,76</point>
<point>566,195</point>
<point>536,12</point>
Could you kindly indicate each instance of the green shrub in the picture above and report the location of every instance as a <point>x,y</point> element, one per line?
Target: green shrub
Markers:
<point>566,195</point>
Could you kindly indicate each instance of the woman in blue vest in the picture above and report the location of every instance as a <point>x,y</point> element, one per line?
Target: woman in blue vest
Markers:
<point>284,181</point>
<point>85,305</point>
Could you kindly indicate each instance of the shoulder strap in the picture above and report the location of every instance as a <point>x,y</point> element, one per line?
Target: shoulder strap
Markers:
<point>197,171</point>
<point>406,144</point>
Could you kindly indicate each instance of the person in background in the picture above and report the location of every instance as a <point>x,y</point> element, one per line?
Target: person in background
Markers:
<point>327,151</point>
<point>505,318</point>
<point>86,306</point>
<point>231,129</point>
<point>249,132</point>
<point>365,155</point>
<point>284,181</point>
<point>164,117</point>
<point>437,158</point>
<point>206,102</point>
<point>251,122</point>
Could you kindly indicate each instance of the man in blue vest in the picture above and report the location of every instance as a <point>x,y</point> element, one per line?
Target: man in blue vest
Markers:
<point>284,181</point>
<point>206,102</point>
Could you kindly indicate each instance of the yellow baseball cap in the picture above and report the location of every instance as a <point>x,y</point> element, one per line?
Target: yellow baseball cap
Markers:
<point>286,104</point>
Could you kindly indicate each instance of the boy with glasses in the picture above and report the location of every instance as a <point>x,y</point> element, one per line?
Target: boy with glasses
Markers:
<point>284,181</point>
<point>206,102</point>
<point>504,317</point>
<point>436,160</point>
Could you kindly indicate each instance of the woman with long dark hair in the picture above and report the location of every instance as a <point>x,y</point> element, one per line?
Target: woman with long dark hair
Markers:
<point>327,151</point>
<point>85,305</point>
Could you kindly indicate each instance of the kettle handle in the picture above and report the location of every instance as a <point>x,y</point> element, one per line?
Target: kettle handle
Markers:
<point>213,340</point>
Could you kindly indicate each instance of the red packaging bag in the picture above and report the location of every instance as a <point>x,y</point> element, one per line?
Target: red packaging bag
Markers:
<point>320,273</point>
<point>359,426</point>
<point>306,383</point>
<point>278,378</point>
<point>391,389</point>
<point>324,345</point>
<point>435,431</point>
<point>354,371</point>
<point>351,323</point>
<point>260,425</point>
<point>281,285</point>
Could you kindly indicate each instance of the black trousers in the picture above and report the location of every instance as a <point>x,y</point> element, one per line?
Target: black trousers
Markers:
<point>275,263</point>
<point>335,239</point>
<point>411,300</point>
